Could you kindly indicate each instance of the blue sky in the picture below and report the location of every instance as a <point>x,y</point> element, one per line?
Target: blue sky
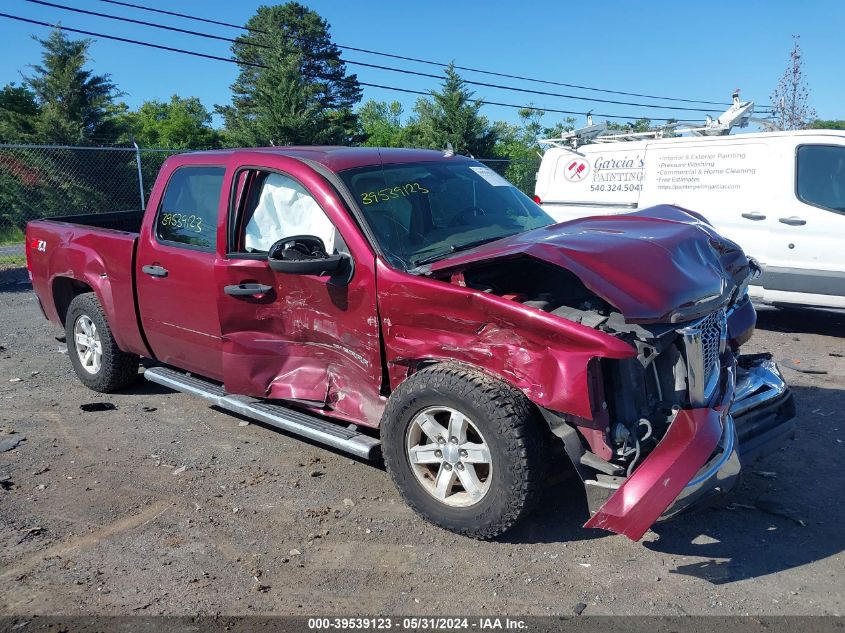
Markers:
<point>697,50</point>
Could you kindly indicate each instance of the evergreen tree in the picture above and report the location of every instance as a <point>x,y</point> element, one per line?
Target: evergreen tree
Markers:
<point>452,115</point>
<point>75,105</point>
<point>293,87</point>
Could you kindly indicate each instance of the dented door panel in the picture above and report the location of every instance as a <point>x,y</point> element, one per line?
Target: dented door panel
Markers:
<point>305,340</point>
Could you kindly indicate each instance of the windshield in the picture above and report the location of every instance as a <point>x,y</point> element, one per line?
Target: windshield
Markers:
<point>420,212</point>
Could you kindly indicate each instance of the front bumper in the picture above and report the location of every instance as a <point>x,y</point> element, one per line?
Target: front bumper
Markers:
<point>702,453</point>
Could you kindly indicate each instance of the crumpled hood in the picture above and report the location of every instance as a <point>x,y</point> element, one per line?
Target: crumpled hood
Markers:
<point>650,264</point>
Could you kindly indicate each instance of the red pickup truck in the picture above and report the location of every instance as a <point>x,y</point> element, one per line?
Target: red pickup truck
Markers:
<point>415,304</point>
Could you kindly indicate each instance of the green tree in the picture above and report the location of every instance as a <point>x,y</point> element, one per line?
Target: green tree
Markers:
<point>65,103</point>
<point>821,124</point>
<point>452,115</point>
<point>638,126</point>
<point>518,144</point>
<point>380,125</point>
<point>293,87</point>
<point>175,124</point>
<point>75,105</point>
<point>18,112</point>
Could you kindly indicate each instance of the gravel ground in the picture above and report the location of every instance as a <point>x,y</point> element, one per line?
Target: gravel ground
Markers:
<point>167,506</point>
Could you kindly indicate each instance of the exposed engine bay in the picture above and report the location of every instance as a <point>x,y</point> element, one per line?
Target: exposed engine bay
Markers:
<point>635,399</point>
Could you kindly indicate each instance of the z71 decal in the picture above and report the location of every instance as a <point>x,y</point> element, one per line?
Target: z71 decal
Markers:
<point>39,245</point>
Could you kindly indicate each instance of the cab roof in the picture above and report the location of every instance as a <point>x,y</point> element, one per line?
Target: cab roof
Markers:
<point>341,158</point>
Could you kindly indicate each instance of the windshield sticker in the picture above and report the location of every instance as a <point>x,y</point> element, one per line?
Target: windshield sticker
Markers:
<point>182,221</point>
<point>388,193</point>
<point>491,176</point>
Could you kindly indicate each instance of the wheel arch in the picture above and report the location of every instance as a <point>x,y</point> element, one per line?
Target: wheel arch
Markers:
<point>64,290</point>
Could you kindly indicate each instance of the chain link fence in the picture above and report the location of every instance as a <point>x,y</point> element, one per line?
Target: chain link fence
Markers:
<point>51,181</point>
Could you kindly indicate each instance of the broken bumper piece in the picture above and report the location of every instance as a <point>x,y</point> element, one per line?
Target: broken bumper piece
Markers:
<point>701,454</point>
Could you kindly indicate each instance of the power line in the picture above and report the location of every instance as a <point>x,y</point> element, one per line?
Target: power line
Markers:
<point>425,61</point>
<point>182,15</point>
<point>144,23</point>
<point>381,67</point>
<point>257,65</point>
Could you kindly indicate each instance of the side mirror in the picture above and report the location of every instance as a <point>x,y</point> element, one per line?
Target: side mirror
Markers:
<point>306,255</point>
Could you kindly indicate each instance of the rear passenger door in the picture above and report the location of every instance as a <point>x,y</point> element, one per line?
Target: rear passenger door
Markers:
<point>301,338</point>
<point>174,272</point>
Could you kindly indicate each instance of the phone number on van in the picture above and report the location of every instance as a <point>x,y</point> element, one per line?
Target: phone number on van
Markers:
<point>622,187</point>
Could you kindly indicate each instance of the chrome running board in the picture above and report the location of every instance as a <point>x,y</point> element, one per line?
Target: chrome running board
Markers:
<point>297,422</point>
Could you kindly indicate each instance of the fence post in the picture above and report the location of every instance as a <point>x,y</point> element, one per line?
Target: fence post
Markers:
<point>140,174</point>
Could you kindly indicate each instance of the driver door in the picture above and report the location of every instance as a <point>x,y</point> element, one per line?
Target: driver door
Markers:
<point>301,338</point>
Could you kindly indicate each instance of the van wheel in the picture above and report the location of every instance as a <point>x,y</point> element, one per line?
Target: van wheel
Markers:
<point>97,360</point>
<point>464,449</point>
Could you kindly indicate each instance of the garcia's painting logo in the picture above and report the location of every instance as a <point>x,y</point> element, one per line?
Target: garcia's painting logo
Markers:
<point>576,170</point>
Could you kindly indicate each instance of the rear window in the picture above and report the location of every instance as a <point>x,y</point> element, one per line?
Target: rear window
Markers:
<point>188,211</point>
<point>821,176</point>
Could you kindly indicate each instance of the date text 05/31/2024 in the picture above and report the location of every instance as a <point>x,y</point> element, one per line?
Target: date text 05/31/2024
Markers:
<point>416,624</point>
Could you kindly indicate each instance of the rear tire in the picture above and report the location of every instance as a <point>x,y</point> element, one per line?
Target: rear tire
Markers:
<point>464,449</point>
<point>96,358</point>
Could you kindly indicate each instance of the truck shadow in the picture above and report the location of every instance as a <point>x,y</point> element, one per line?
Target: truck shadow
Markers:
<point>784,513</point>
<point>14,280</point>
<point>802,320</point>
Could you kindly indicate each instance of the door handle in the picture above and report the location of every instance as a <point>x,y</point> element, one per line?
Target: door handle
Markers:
<point>754,215</point>
<point>247,290</point>
<point>154,271</point>
<point>793,221</point>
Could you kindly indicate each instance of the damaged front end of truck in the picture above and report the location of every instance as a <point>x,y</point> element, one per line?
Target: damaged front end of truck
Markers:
<point>673,422</point>
<point>683,416</point>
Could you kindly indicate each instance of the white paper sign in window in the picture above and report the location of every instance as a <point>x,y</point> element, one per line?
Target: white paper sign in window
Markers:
<point>491,176</point>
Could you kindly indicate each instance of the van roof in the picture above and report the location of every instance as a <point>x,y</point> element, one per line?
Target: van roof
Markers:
<point>747,136</point>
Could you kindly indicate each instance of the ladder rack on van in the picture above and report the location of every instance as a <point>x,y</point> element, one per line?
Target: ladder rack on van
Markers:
<point>739,115</point>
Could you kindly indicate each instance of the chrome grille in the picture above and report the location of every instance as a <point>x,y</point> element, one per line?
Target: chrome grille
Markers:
<point>711,337</point>
<point>704,341</point>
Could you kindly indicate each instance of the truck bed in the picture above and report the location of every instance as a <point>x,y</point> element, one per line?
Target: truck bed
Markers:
<point>93,252</point>
<point>129,221</point>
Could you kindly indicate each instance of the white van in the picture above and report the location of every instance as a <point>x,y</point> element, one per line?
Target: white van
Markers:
<point>779,195</point>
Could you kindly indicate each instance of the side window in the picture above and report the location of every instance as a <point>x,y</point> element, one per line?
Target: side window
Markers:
<point>821,176</point>
<point>275,206</point>
<point>188,211</point>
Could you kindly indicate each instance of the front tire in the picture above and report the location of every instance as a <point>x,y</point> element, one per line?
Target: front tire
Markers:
<point>94,354</point>
<point>464,449</point>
